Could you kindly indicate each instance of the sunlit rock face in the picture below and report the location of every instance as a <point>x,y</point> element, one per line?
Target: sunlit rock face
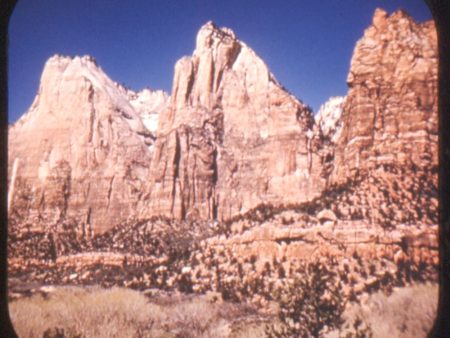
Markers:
<point>81,151</point>
<point>232,136</point>
<point>390,115</point>
<point>380,143</point>
<point>91,154</point>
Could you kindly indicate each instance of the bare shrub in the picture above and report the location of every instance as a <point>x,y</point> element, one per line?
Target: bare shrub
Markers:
<point>408,312</point>
<point>310,304</point>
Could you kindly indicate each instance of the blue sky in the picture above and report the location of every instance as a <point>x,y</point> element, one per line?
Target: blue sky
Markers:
<point>307,44</point>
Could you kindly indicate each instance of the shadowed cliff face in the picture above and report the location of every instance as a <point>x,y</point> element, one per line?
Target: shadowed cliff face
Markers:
<point>230,137</point>
<point>390,115</point>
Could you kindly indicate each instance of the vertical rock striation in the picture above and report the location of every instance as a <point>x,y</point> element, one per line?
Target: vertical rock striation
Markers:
<point>390,115</point>
<point>232,136</point>
<point>79,152</point>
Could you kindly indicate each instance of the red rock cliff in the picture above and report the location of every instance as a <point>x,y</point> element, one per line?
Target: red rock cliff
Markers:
<point>232,137</point>
<point>390,115</point>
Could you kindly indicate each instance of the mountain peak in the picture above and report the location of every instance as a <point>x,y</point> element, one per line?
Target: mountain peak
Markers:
<point>81,122</point>
<point>209,25</point>
<point>329,118</point>
<point>229,138</point>
<point>78,71</point>
<point>396,59</point>
<point>59,67</point>
<point>379,17</point>
<point>210,36</point>
<point>85,60</point>
<point>401,13</point>
<point>225,104</point>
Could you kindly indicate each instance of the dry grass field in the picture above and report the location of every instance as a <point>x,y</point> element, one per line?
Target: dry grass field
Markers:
<point>408,312</point>
<point>118,312</point>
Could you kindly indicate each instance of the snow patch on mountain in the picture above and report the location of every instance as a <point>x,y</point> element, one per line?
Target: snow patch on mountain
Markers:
<point>149,104</point>
<point>328,118</point>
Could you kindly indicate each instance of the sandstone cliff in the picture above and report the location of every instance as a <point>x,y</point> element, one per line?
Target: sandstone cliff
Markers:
<point>390,115</point>
<point>381,152</point>
<point>232,136</point>
<point>81,151</point>
<point>356,189</point>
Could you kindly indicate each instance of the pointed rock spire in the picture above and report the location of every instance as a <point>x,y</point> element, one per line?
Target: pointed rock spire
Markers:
<point>228,117</point>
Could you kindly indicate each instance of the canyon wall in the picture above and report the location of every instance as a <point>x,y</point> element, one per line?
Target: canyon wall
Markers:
<point>231,137</point>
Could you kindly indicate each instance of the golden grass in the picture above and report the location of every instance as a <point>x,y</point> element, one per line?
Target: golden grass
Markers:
<point>409,312</point>
<point>94,313</point>
<point>120,312</point>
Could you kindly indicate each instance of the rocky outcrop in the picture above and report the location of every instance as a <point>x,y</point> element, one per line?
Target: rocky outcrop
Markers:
<point>247,266</point>
<point>80,152</point>
<point>390,115</point>
<point>232,136</point>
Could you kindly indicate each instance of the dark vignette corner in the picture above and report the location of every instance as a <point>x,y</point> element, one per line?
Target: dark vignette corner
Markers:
<point>441,13</point>
<point>6,8</point>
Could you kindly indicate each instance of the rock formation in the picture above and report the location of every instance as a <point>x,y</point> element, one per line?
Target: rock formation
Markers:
<point>81,151</point>
<point>355,190</point>
<point>232,136</point>
<point>390,115</point>
<point>381,152</point>
<point>383,213</point>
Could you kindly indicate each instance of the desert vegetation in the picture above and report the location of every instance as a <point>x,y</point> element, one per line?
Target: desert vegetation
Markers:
<point>120,312</point>
<point>238,215</point>
<point>405,312</point>
<point>159,262</point>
